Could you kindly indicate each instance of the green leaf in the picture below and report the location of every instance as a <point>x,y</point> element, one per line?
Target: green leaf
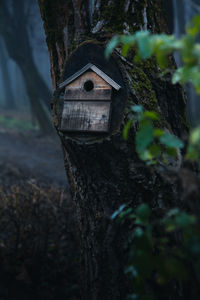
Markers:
<point>138,232</point>
<point>178,44</point>
<point>143,212</point>
<point>117,212</point>
<point>176,77</point>
<point>184,220</point>
<point>173,212</point>
<point>127,39</point>
<point>155,150</point>
<point>145,155</point>
<point>145,44</point>
<point>144,136</point>
<point>132,271</point>
<point>170,140</point>
<point>137,109</point>
<point>127,129</point>
<point>192,153</point>
<point>170,226</point>
<point>152,115</point>
<point>158,132</point>
<point>171,151</point>
<point>125,49</point>
<point>151,162</point>
<point>187,74</point>
<point>137,58</point>
<point>194,26</point>
<point>195,136</point>
<point>161,59</point>
<point>127,212</point>
<point>111,45</point>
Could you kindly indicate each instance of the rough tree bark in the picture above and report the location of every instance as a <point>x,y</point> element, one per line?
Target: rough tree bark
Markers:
<point>107,173</point>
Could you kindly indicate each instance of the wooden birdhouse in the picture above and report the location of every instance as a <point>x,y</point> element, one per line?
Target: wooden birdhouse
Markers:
<point>87,100</point>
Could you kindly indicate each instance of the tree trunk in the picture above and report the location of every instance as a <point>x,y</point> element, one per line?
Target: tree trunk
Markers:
<point>105,172</point>
<point>34,91</point>
<point>9,97</point>
<point>15,34</point>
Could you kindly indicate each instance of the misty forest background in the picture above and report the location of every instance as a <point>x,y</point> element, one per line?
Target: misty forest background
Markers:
<point>39,251</point>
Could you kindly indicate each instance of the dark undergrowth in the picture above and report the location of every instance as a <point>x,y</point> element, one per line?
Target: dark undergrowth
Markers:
<point>39,249</point>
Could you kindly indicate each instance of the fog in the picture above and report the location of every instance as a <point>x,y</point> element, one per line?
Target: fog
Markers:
<point>14,90</point>
<point>28,143</point>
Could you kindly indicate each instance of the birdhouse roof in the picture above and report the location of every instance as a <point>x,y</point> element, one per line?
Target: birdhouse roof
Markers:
<point>92,67</point>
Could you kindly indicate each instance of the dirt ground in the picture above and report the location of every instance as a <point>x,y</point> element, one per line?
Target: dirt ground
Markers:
<point>34,156</point>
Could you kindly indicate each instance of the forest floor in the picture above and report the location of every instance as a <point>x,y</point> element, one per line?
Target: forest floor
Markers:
<point>39,249</point>
<point>33,155</point>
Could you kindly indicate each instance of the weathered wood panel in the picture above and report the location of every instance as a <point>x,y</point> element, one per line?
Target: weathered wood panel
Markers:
<point>85,116</point>
<point>89,75</point>
<point>76,90</point>
<point>81,94</point>
<point>97,71</point>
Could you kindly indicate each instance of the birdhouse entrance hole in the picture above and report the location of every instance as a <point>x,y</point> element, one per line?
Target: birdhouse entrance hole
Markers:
<point>88,86</point>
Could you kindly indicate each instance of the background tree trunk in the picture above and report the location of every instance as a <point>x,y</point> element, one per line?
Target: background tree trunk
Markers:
<point>107,173</point>
<point>14,32</point>
<point>9,102</point>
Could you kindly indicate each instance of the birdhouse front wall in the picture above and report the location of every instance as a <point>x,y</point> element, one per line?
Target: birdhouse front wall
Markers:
<point>87,104</point>
<point>88,116</point>
<point>88,86</point>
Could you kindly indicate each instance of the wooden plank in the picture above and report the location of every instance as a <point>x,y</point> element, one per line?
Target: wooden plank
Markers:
<point>86,116</point>
<point>76,90</point>
<point>105,77</point>
<point>75,75</point>
<point>95,94</point>
<point>109,80</point>
<point>89,75</point>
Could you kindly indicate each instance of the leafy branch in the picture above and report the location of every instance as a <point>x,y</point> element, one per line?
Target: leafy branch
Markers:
<point>153,143</point>
<point>153,260</point>
<point>161,45</point>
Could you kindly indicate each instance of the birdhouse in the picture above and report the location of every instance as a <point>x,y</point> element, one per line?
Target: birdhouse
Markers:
<point>87,100</point>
